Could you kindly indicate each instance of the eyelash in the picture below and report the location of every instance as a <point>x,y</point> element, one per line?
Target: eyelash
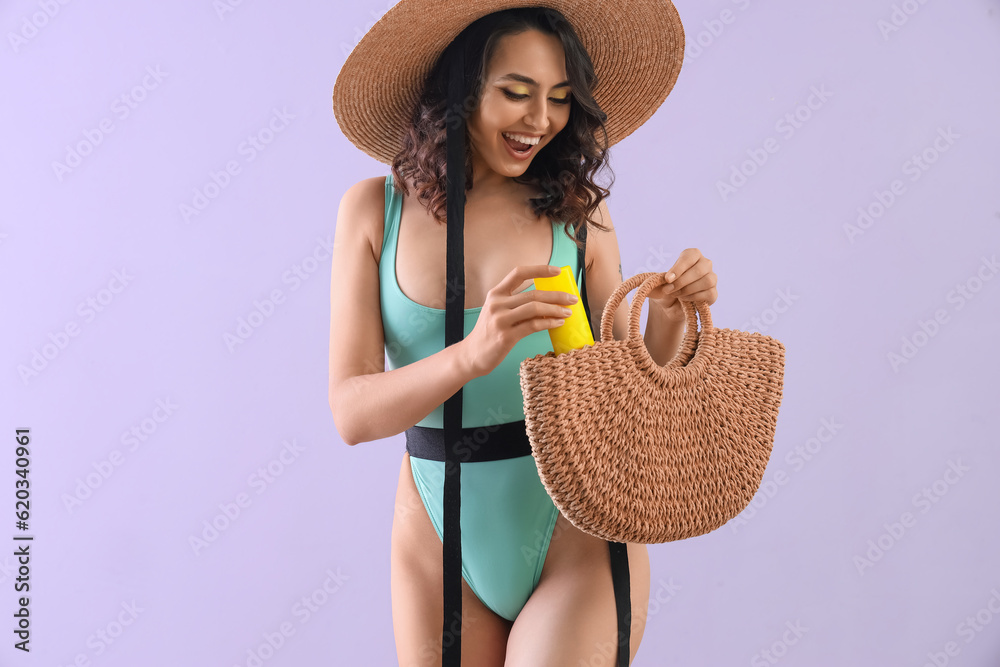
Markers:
<point>515,96</point>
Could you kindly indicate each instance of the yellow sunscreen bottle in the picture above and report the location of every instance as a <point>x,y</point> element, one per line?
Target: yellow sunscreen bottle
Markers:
<point>575,331</point>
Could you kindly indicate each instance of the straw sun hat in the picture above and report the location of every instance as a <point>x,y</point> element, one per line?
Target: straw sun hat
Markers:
<point>637,47</point>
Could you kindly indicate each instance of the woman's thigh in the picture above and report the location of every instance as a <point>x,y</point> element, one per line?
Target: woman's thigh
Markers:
<point>416,586</point>
<point>570,619</point>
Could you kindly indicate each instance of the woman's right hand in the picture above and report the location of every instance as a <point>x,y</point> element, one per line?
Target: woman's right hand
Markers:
<point>511,312</point>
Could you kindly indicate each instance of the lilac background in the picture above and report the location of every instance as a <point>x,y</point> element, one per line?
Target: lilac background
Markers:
<point>778,244</point>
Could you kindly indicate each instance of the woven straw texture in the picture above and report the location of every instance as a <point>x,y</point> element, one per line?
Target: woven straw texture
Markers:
<point>636,46</point>
<point>630,451</point>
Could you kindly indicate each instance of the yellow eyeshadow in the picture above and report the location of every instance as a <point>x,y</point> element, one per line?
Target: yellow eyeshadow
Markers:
<point>519,90</point>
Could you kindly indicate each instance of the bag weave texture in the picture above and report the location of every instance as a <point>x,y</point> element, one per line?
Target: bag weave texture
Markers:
<point>630,451</point>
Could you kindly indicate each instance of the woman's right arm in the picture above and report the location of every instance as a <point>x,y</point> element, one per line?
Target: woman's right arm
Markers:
<point>369,403</point>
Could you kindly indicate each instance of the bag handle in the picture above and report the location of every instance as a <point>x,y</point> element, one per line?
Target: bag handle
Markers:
<point>645,282</point>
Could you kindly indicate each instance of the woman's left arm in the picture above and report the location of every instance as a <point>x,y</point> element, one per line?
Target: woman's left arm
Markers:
<point>690,279</point>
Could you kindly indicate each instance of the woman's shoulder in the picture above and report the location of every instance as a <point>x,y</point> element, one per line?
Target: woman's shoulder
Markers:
<point>366,192</point>
<point>362,209</point>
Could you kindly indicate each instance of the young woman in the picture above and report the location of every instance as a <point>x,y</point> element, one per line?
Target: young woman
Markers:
<point>535,589</point>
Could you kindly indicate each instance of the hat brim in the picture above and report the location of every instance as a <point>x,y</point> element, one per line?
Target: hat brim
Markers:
<point>636,46</point>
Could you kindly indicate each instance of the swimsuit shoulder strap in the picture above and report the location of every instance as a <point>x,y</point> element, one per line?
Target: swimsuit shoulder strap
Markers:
<point>393,209</point>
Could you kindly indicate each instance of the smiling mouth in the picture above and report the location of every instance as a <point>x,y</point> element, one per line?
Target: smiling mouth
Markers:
<point>517,146</point>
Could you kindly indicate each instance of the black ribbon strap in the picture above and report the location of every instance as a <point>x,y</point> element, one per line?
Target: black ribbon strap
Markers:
<point>454,331</point>
<point>581,258</point>
<point>451,632</point>
<point>623,598</point>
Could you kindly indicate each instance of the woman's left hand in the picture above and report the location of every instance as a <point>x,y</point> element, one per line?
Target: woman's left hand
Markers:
<point>690,279</point>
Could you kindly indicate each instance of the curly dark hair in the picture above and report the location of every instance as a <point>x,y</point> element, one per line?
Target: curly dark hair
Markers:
<point>563,170</point>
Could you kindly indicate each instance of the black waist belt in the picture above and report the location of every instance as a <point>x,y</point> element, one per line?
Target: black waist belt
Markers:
<point>478,443</point>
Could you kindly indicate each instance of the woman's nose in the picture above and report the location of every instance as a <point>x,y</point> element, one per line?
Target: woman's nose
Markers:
<point>537,117</point>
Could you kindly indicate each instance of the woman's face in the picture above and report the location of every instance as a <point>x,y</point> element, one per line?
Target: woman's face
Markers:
<point>526,93</point>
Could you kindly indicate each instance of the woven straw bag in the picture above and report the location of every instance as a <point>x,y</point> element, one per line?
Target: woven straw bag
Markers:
<point>630,451</point>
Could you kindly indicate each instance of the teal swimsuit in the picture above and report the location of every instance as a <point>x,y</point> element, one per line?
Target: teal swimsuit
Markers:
<point>507,517</point>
